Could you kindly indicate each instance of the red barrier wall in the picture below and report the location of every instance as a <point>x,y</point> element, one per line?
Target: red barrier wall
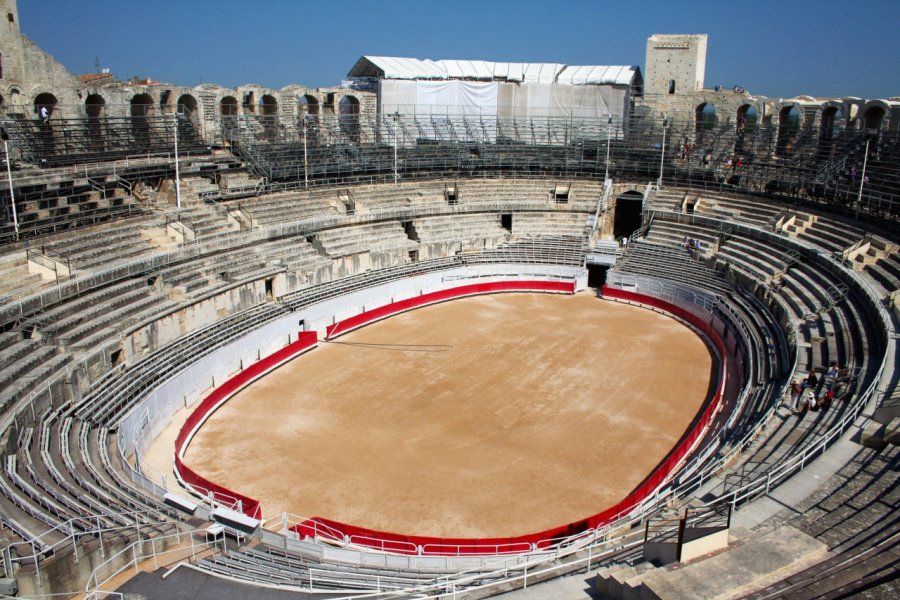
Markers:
<point>382,312</point>
<point>250,507</point>
<point>411,544</point>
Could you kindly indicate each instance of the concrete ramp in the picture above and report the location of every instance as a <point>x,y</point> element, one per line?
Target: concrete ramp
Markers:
<point>752,565</point>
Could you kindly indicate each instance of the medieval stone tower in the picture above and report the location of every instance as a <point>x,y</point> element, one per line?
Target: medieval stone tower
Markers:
<point>28,75</point>
<point>675,64</point>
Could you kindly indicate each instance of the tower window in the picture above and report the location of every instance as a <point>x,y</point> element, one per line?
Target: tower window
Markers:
<point>671,86</point>
<point>10,17</point>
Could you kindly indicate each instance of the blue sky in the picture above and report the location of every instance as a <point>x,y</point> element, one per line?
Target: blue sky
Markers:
<point>776,49</point>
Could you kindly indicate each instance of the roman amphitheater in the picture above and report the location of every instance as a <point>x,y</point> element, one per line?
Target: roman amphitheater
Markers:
<point>449,329</point>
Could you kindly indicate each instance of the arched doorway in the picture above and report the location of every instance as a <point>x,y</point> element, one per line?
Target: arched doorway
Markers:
<point>349,118</point>
<point>141,110</point>
<point>95,107</point>
<point>228,106</point>
<point>747,124</point>
<point>16,104</point>
<point>832,123</point>
<point>788,127</point>
<point>308,109</point>
<point>747,118</point>
<point>268,108</point>
<point>629,213</point>
<point>705,118</point>
<point>872,118</point>
<point>187,106</point>
<point>228,109</point>
<point>45,104</point>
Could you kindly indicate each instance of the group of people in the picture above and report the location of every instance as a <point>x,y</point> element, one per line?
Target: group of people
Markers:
<point>814,393</point>
<point>690,244</point>
<point>734,164</point>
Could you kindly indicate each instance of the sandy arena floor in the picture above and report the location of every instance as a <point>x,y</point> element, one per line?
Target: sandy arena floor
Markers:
<point>495,416</point>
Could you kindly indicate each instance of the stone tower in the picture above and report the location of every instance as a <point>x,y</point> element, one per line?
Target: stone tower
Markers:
<point>675,64</point>
<point>27,73</point>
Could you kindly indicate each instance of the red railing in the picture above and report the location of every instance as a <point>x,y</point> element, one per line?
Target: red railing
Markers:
<point>249,506</point>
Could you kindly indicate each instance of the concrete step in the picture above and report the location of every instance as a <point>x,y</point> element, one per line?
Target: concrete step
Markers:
<point>742,569</point>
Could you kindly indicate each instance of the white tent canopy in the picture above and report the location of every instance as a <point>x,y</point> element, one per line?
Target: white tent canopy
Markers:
<point>596,75</point>
<point>387,67</point>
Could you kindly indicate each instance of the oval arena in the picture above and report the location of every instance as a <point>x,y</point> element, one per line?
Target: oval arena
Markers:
<point>326,346</point>
<point>486,417</point>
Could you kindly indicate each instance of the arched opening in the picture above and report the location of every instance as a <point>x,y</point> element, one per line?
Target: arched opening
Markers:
<point>268,108</point>
<point>228,106</point>
<point>873,118</point>
<point>15,106</point>
<point>187,111</point>
<point>94,107</point>
<point>705,119</point>
<point>141,108</point>
<point>832,123</point>
<point>44,107</point>
<point>308,106</point>
<point>629,212</point>
<point>268,105</point>
<point>747,123</point>
<point>788,127</point>
<point>747,118</point>
<point>187,105</point>
<point>349,118</point>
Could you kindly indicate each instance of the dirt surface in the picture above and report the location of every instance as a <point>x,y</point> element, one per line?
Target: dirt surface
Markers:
<point>490,416</point>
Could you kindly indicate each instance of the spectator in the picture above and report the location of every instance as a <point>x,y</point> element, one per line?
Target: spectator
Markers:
<point>812,379</point>
<point>796,390</point>
<point>45,115</point>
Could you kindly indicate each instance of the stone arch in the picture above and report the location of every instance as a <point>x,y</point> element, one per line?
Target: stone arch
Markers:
<point>95,106</point>
<point>228,106</point>
<point>268,109</point>
<point>873,114</point>
<point>747,118</point>
<point>14,106</point>
<point>308,106</point>
<point>186,105</point>
<point>45,100</point>
<point>831,121</point>
<point>349,117</point>
<point>789,118</point>
<point>142,105</point>
<point>142,108</point>
<point>268,105</point>
<point>95,109</point>
<point>705,119</point>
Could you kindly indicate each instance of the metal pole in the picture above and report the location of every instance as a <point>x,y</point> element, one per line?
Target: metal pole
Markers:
<point>662,157</point>
<point>177,173</point>
<point>862,178</point>
<point>305,163</point>
<point>608,137</point>
<point>396,129</point>
<point>12,195</point>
